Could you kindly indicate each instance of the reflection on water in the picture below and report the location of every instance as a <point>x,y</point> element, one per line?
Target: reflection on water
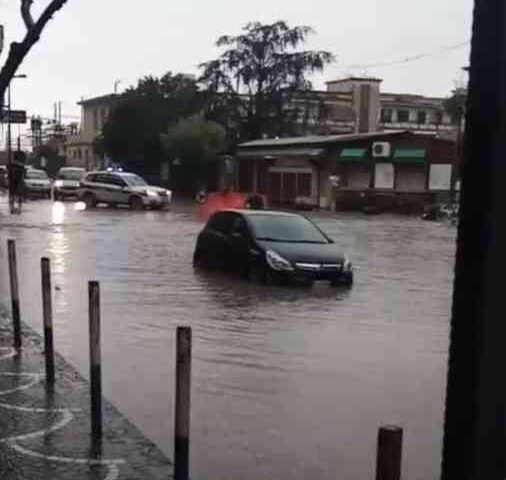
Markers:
<point>288,383</point>
<point>58,213</point>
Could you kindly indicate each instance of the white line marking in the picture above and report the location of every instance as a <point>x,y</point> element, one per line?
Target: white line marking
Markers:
<point>9,406</point>
<point>11,353</point>
<point>37,377</point>
<point>78,461</point>
<point>67,418</point>
<point>113,473</point>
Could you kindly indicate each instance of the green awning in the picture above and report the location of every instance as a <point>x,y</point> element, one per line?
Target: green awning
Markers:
<point>352,155</point>
<point>353,152</point>
<point>409,156</point>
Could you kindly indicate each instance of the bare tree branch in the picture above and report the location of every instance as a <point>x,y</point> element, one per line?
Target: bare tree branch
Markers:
<point>18,51</point>
<point>26,13</point>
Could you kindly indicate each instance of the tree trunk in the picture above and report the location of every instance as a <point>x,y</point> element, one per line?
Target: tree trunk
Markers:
<point>18,51</point>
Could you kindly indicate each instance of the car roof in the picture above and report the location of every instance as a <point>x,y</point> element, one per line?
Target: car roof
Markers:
<point>111,172</point>
<point>251,213</point>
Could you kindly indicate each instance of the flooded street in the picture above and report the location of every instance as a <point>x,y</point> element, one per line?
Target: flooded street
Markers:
<point>288,383</point>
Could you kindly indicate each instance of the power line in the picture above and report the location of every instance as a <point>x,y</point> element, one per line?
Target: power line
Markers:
<point>413,58</point>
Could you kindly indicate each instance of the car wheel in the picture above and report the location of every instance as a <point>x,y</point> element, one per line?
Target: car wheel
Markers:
<point>260,274</point>
<point>198,260</point>
<point>135,203</point>
<point>346,281</point>
<point>90,200</point>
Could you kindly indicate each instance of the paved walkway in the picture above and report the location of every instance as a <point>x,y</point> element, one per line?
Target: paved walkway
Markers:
<point>45,435</point>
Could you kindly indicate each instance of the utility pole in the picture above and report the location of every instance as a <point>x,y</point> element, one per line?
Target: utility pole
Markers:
<point>475,417</point>
<point>9,149</point>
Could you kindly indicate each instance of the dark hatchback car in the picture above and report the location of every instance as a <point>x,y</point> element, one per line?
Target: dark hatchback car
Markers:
<point>266,245</point>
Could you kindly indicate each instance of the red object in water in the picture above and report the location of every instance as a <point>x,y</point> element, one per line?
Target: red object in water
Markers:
<point>217,201</point>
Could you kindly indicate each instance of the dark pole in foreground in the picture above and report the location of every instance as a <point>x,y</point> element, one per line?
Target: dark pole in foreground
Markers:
<point>182,423</point>
<point>475,423</point>
<point>13,276</point>
<point>389,457</point>
<point>9,148</point>
<point>47,312</point>
<point>95,361</point>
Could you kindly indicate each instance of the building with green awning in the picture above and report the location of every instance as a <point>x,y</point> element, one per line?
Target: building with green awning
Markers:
<point>393,168</point>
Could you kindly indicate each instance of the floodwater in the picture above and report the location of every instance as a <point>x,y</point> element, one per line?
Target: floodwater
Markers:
<point>288,383</point>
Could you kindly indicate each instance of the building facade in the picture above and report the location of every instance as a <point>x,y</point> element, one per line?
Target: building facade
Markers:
<point>414,112</point>
<point>393,171</point>
<point>79,148</point>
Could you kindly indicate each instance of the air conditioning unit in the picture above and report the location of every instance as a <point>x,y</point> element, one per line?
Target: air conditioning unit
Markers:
<point>381,149</point>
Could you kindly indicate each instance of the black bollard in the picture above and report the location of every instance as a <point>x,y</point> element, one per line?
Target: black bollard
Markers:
<point>183,396</point>
<point>389,456</point>
<point>47,312</point>
<point>13,276</point>
<point>95,361</point>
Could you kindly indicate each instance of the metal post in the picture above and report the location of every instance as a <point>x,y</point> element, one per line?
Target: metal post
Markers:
<point>9,149</point>
<point>389,455</point>
<point>95,361</point>
<point>47,310</point>
<point>475,427</point>
<point>183,394</point>
<point>13,276</point>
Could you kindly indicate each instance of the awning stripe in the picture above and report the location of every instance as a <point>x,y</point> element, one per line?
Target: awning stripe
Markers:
<point>353,152</point>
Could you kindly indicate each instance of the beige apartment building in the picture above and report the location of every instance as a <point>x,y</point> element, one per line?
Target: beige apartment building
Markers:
<point>94,114</point>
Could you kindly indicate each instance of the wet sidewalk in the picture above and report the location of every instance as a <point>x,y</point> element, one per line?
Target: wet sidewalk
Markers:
<point>45,435</point>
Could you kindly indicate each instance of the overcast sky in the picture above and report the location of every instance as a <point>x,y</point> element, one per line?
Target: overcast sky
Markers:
<point>91,43</point>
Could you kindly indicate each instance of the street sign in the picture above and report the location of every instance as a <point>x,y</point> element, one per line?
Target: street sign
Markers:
<point>16,116</point>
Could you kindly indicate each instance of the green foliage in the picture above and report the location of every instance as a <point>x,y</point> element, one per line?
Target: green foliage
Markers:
<point>195,140</point>
<point>196,143</point>
<point>132,134</point>
<point>258,75</point>
<point>455,105</point>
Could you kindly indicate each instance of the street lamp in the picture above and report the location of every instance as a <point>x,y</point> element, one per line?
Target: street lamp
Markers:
<point>9,136</point>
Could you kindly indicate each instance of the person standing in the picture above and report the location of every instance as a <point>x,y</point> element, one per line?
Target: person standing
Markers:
<point>16,185</point>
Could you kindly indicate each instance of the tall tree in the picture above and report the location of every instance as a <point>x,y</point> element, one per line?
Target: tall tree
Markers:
<point>196,143</point>
<point>254,80</point>
<point>455,105</point>
<point>132,134</point>
<point>19,50</point>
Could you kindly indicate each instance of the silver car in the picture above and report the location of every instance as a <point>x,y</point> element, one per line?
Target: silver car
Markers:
<point>37,183</point>
<point>67,182</point>
<point>116,188</point>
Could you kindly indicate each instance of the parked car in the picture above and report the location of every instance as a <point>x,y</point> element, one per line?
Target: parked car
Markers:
<point>67,182</point>
<point>267,245</point>
<point>37,183</point>
<point>115,188</point>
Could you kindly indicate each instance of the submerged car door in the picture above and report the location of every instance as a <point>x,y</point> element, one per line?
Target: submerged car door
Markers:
<point>215,239</point>
<point>237,244</point>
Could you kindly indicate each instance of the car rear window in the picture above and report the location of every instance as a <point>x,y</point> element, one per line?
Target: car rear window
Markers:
<point>37,175</point>
<point>286,228</point>
<point>70,174</point>
<point>92,177</point>
<point>221,222</point>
